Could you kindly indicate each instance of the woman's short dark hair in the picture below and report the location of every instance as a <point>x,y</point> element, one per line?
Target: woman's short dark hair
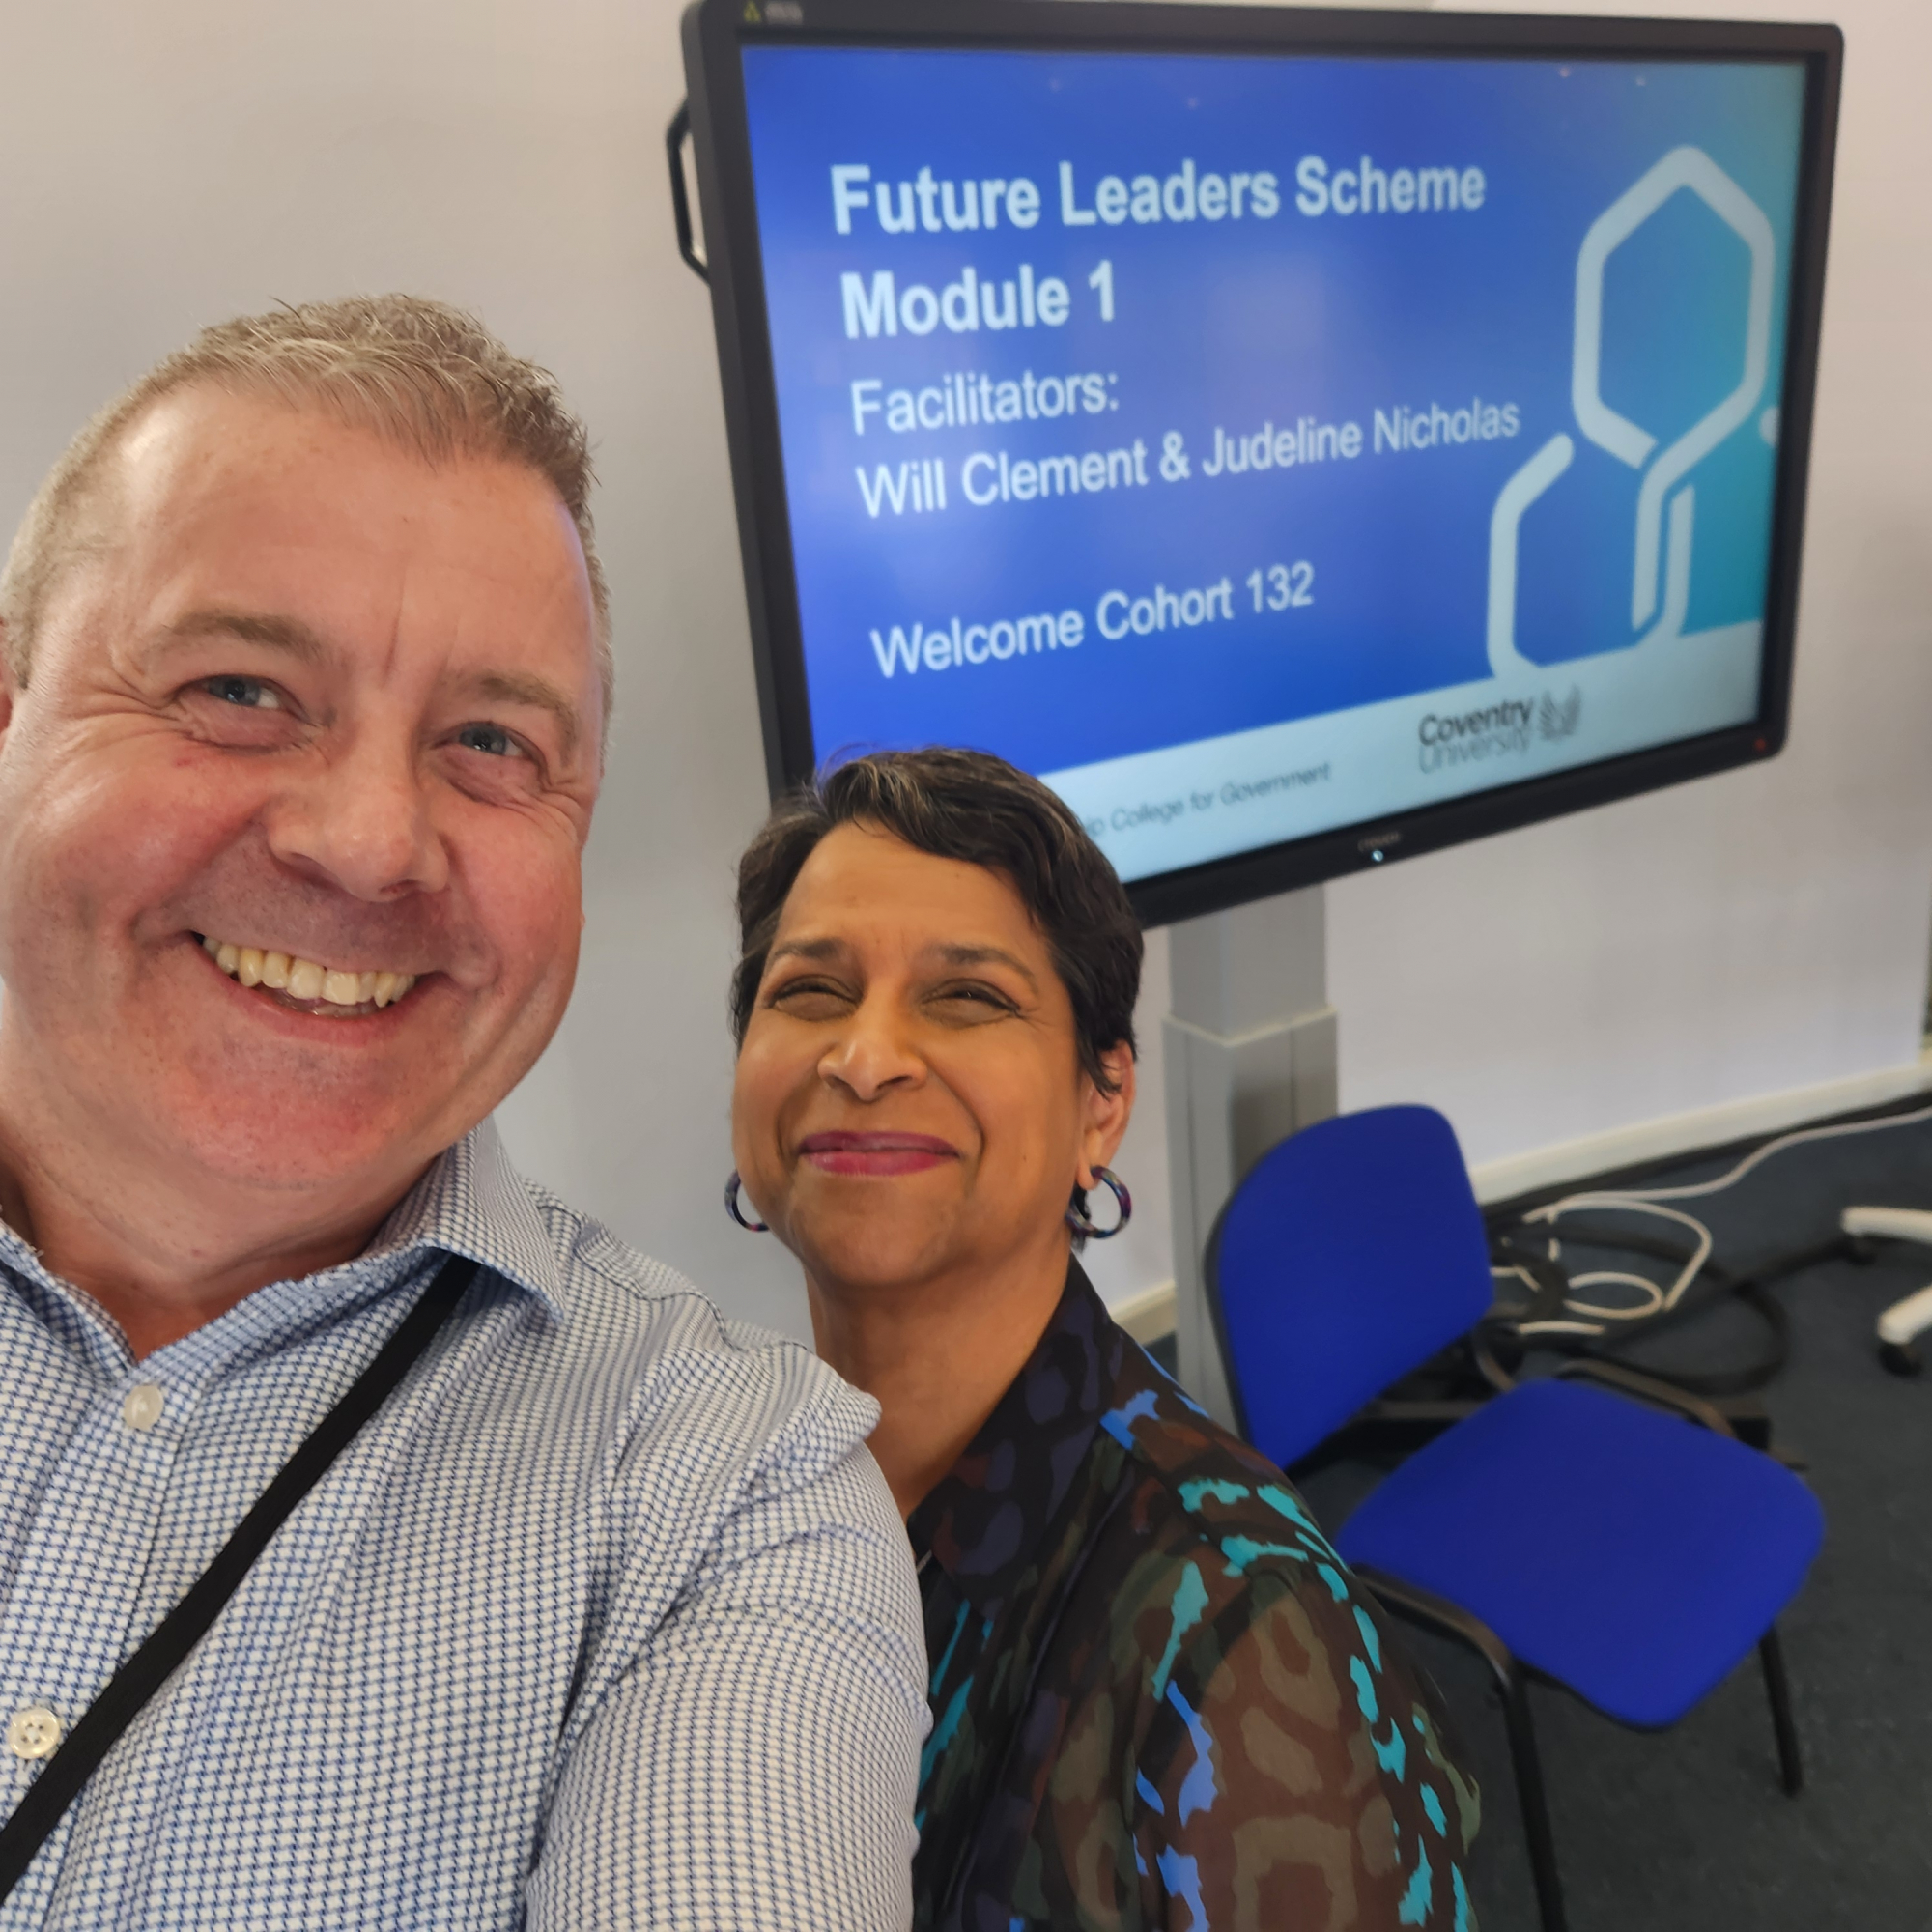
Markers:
<point>973,807</point>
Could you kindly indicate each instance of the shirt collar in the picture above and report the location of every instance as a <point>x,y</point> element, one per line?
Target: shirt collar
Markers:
<point>983,1522</point>
<point>472,1202</point>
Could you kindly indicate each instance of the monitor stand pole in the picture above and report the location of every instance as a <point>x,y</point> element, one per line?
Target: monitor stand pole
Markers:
<point>1250,1056</point>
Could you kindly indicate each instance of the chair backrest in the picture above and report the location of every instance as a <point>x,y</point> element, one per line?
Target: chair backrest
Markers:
<point>1351,1252</point>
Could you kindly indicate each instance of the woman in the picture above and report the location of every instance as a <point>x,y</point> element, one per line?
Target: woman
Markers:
<point>1159,1699</point>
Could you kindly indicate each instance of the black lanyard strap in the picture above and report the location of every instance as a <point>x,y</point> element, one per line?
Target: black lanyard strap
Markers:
<point>131,1686</point>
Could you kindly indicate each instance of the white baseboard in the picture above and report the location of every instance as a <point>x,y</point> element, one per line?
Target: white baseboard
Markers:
<point>1147,1314</point>
<point>1700,1127</point>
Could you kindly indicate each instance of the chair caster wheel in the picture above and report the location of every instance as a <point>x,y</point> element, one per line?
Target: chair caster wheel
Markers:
<point>1860,1248</point>
<point>1900,1357</point>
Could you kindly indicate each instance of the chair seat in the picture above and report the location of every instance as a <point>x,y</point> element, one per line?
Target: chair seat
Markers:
<point>1635,1558</point>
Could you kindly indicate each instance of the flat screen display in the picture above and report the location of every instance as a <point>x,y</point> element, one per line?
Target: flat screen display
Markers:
<point>1258,444</point>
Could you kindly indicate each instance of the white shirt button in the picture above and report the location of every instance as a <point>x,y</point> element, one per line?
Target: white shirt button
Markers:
<point>34,1732</point>
<point>141,1407</point>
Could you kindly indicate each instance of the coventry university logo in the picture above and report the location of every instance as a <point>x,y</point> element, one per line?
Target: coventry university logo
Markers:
<point>1559,721</point>
<point>1446,740</point>
<point>1666,500</point>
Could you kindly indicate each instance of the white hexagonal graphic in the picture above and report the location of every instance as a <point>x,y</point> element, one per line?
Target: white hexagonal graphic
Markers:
<point>1683,168</point>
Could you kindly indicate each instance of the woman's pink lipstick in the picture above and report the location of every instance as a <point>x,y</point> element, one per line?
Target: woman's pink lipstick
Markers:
<point>875,1154</point>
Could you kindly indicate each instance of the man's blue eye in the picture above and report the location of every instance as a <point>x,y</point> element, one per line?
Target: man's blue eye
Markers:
<point>491,739</point>
<point>250,693</point>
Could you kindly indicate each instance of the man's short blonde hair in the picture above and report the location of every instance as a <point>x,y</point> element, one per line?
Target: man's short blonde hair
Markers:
<point>420,373</point>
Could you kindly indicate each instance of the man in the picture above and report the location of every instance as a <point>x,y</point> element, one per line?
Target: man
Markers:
<point>605,1618</point>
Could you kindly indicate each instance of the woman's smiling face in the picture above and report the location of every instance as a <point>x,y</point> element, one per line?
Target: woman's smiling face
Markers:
<point>910,1102</point>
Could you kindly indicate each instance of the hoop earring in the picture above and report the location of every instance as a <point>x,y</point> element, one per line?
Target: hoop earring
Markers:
<point>731,1207</point>
<point>1084,1227</point>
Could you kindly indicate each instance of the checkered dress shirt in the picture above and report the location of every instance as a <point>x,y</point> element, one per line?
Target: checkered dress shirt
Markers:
<point>606,1620</point>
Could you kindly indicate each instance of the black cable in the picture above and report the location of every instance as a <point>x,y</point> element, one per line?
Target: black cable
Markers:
<point>1712,1288</point>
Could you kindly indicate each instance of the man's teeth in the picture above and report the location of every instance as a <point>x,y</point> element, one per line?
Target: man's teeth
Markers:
<point>304,979</point>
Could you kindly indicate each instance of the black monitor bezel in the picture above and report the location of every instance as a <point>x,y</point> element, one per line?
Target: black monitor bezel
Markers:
<point>714,31</point>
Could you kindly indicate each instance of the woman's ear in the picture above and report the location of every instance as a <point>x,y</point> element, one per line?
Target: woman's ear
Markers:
<point>1106,1115</point>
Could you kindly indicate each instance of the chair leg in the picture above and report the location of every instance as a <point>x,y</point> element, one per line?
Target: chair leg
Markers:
<point>1771,1654</point>
<point>1437,1613</point>
<point>1535,1804</point>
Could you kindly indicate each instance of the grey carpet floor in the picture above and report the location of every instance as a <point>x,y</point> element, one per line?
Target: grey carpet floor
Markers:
<point>1689,1829</point>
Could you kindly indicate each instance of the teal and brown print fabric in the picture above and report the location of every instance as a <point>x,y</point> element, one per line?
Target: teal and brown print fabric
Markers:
<point>1158,1698</point>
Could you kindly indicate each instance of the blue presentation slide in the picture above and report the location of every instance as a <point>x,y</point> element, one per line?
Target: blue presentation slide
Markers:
<point>1256,446</point>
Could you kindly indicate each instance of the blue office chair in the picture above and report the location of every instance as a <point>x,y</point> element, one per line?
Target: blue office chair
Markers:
<point>1562,1531</point>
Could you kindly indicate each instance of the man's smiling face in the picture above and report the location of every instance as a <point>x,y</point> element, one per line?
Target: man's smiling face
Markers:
<point>299,694</point>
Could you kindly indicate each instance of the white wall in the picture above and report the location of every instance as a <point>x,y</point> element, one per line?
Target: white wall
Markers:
<point>165,165</point>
